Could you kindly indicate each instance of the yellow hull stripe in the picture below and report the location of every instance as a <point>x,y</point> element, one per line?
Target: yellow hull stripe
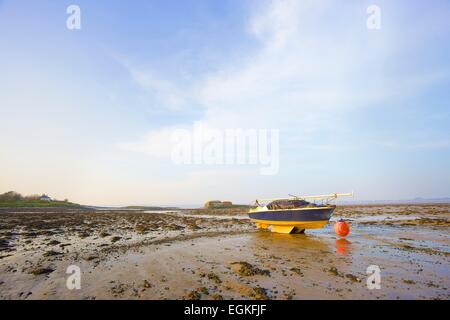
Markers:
<point>298,224</point>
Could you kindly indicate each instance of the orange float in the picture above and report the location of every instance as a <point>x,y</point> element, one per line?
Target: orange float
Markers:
<point>341,228</point>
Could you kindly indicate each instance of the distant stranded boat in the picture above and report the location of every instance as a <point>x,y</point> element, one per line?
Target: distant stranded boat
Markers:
<point>294,214</point>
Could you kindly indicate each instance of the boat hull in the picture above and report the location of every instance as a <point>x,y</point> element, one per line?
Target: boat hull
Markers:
<point>292,220</point>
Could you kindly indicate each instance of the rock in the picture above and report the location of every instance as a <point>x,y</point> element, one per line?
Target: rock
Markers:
<point>39,271</point>
<point>115,239</point>
<point>90,257</point>
<point>175,227</point>
<point>297,271</point>
<point>203,290</point>
<point>104,234</point>
<point>215,278</point>
<point>52,253</point>
<point>352,277</point>
<point>4,243</point>
<point>53,243</point>
<point>118,289</point>
<point>334,271</point>
<point>193,226</point>
<point>194,295</point>
<point>259,294</point>
<point>246,269</point>
<point>141,229</point>
<point>147,284</point>
<point>216,296</point>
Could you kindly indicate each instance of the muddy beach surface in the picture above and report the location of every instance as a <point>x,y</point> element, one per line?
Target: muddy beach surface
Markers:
<point>219,254</point>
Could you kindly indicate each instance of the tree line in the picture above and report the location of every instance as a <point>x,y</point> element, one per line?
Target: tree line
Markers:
<point>15,196</point>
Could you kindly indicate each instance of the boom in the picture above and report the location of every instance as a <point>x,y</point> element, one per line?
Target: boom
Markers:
<point>328,197</point>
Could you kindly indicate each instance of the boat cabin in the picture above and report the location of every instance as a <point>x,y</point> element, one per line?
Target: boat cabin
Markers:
<point>289,204</point>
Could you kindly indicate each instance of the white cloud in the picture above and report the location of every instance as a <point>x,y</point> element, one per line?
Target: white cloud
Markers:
<point>167,94</point>
<point>156,143</point>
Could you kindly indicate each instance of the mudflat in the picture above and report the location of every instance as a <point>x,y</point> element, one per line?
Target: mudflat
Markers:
<point>219,254</point>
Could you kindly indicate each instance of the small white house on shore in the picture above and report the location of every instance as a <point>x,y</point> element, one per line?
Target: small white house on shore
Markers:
<point>45,197</point>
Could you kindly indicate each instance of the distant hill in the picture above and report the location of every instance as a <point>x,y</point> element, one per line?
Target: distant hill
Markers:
<point>14,199</point>
<point>432,200</point>
<point>409,201</point>
<point>37,203</point>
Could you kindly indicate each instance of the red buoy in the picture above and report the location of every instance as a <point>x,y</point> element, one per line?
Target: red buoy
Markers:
<point>341,228</point>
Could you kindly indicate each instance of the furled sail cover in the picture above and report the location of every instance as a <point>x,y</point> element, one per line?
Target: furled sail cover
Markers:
<point>288,204</point>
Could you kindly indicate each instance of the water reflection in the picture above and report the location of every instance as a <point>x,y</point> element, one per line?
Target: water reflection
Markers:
<point>283,242</point>
<point>343,247</point>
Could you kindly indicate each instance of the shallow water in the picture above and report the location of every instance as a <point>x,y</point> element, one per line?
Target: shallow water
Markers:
<point>202,216</point>
<point>379,217</point>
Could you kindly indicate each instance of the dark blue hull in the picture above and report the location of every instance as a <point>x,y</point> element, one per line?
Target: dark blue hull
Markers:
<point>321,214</point>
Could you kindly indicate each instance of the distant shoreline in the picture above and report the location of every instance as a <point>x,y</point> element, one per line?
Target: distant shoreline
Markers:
<point>396,202</point>
<point>143,208</point>
<point>39,204</point>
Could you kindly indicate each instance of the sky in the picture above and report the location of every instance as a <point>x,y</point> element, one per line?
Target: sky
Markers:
<point>88,114</point>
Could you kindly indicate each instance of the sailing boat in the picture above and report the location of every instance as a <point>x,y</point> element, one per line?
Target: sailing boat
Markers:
<point>294,214</point>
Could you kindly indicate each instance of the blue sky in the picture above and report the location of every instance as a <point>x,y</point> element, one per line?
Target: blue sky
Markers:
<point>357,109</point>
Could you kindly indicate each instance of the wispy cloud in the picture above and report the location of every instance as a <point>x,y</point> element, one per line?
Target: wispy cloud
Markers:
<point>417,146</point>
<point>310,65</point>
